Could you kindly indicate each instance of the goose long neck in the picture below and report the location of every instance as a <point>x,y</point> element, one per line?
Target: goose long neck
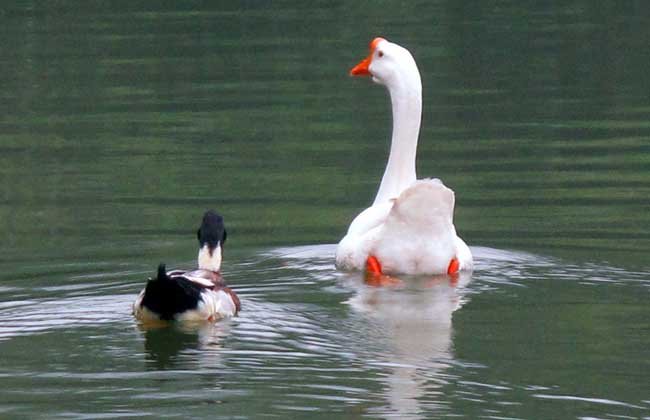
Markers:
<point>407,113</point>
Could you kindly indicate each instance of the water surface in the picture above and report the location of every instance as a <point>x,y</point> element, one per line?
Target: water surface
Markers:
<point>120,124</point>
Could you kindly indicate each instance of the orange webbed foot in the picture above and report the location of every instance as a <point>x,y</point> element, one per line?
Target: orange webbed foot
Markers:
<point>374,276</point>
<point>454,266</point>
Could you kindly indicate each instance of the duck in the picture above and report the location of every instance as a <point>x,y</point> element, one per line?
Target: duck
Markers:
<point>196,295</point>
<point>409,227</point>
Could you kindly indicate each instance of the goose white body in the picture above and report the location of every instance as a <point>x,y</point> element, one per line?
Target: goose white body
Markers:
<point>409,228</point>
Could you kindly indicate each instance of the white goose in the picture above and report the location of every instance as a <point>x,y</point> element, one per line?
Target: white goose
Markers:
<point>409,228</point>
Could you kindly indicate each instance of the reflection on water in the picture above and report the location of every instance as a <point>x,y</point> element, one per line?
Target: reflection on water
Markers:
<point>416,331</point>
<point>164,344</point>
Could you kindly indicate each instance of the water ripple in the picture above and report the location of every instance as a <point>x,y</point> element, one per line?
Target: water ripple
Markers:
<point>312,337</point>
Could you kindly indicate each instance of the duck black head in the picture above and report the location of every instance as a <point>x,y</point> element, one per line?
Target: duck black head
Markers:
<point>212,235</point>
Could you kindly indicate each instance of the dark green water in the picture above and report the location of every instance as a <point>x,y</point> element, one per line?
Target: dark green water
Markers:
<point>121,123</point>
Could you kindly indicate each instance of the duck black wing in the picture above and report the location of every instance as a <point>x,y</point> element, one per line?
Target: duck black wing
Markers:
<point>168,295</point>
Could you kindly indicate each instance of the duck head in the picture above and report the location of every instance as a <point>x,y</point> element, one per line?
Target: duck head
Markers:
<point>390,65</point>
<point>212,236</point>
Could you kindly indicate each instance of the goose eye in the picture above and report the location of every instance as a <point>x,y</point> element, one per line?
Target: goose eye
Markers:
<point>380,54</point>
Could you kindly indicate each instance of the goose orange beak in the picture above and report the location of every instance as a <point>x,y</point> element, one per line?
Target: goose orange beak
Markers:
<point>363,68</point>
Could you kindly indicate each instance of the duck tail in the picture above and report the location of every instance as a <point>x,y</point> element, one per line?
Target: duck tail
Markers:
<point>162,272</point>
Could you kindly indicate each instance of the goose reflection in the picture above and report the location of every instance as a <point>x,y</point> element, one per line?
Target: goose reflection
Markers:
<point>413,318</point>
<point>170,345</point>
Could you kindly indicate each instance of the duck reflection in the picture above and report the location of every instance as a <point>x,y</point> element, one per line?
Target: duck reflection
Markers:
<point>414,319</point>
<point>167,344</point>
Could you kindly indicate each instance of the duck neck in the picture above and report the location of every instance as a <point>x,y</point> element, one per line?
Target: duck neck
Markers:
<point>210,259</point>
<point>406,100</point>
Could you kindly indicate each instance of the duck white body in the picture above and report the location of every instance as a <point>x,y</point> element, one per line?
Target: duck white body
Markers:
<point>194,296</point>
<point>409,227</point>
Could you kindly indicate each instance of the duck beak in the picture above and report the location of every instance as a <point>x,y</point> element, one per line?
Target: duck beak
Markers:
<point>362,69</point>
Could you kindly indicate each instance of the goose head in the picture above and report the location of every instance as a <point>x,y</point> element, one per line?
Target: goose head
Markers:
<point>390,65</point>
<point>212,236</point>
